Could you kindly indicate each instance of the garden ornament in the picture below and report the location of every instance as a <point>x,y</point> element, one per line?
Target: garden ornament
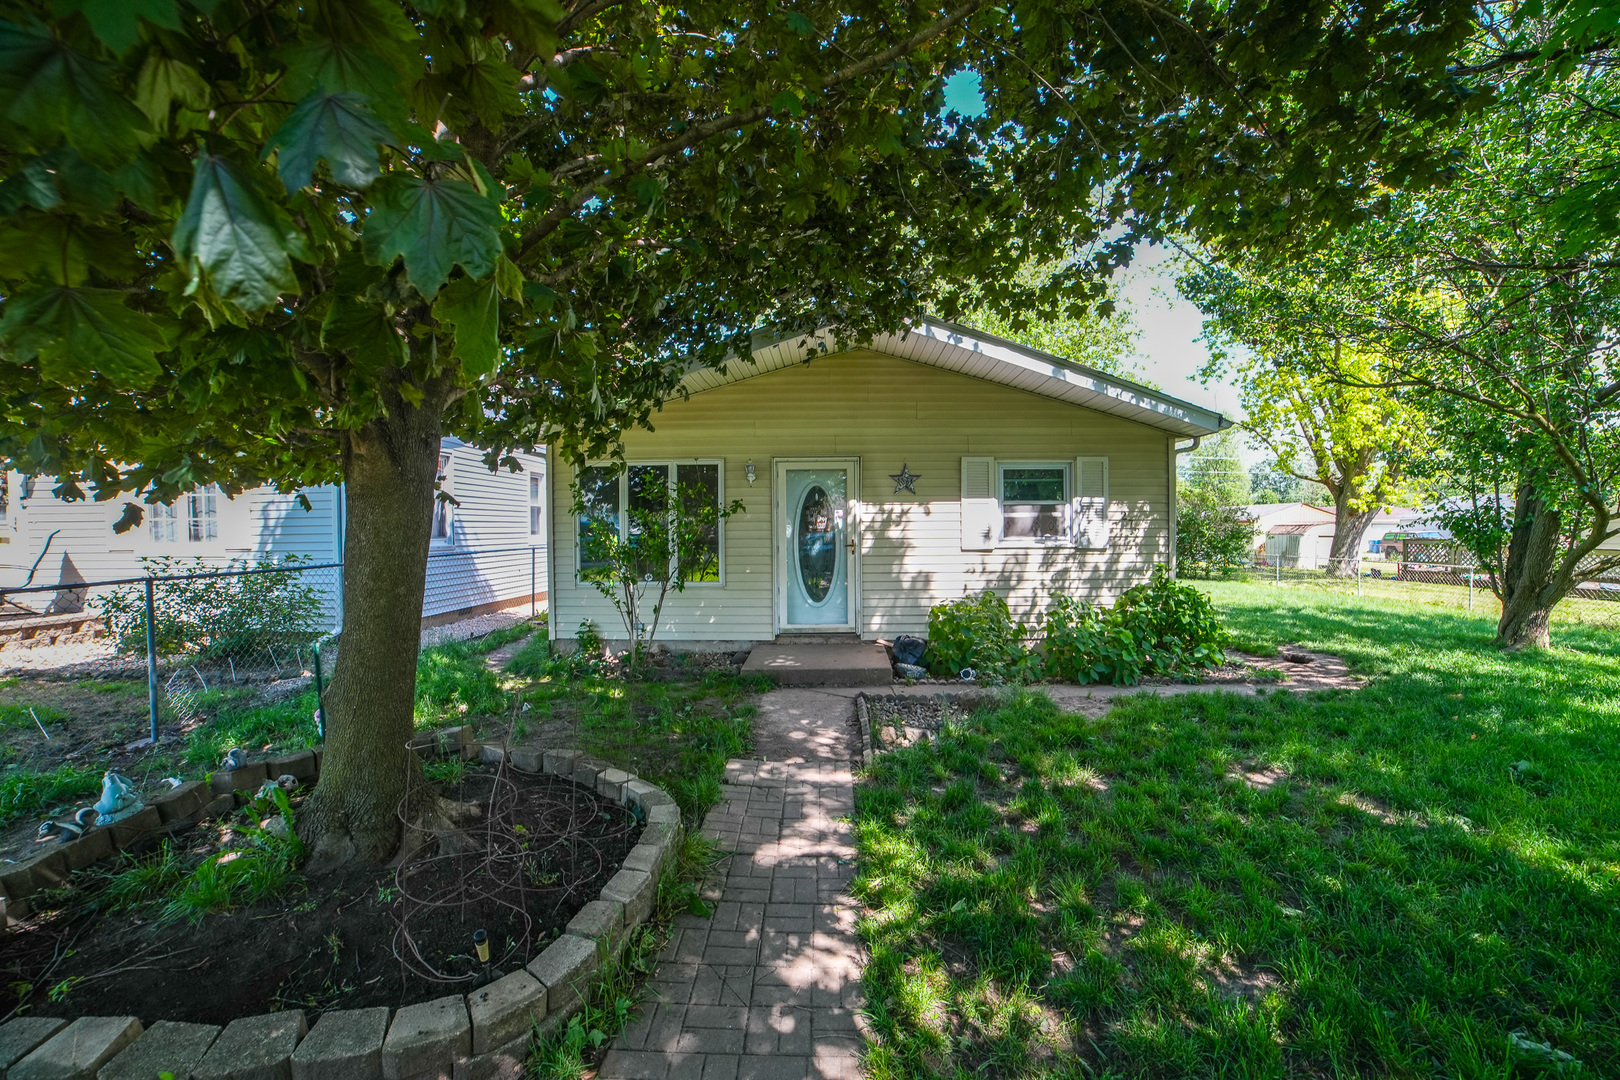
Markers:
<point>286,781</point>
<point>68,830</point>
<point>119,799</point>
<point>234,760</point>
<point>905,480</point>
<point>968,674</point>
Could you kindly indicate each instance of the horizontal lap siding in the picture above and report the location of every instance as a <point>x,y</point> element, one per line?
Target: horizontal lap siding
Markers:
<point>493,514</point>
<point>888,412</point>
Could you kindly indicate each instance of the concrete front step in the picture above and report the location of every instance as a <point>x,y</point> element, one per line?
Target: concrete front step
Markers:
<point>821,664</point>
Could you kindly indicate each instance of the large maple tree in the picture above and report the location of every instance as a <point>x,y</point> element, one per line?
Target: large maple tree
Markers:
<point>249,240</point>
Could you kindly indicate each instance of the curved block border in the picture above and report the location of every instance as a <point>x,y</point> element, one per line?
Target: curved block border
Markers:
<point>484,1035</point>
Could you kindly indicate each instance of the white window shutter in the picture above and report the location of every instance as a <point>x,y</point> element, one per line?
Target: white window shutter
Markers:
<point>1091,502</point>
<point>981,510</point>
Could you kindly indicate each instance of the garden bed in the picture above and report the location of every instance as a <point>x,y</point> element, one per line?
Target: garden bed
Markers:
<point>543,847</point>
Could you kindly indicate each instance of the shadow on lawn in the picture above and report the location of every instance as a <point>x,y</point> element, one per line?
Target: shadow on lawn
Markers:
<point>1430,866</point>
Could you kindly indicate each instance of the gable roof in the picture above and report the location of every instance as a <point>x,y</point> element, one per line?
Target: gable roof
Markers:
<point>984,356</point>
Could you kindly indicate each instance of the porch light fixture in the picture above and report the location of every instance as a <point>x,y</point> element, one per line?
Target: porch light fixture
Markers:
<point>748,470</point>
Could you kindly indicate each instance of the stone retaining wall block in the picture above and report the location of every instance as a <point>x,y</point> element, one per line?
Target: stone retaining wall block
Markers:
<point>636,890</point>
<point>561,762</point>
<point>529,759</point>
<point>586,770</point>
<point>182,802</point>
<point>490,754</point>
<point>46,870</point>
<point>565,968</point>
<point>79,1050</point>
<point>610,784</point>
<point>344,1045</point>
<point>664,814</point>
<point>638,789</point>
<point>217,807</point>
<point>600,920</point>
<point>254,1048</point>
<point>125,833</point>
<point>452,739</point>
<point>502,1063</point>
<point>93,845</point>
<point>19,1037</point>
<point>166,1047</point>
<point>505,1009</point>
<point>248,778</point>
<point>301,766</point>
<point>426,1040</point>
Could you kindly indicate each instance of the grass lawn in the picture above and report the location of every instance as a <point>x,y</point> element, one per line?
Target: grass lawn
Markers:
<point>1388,882</point>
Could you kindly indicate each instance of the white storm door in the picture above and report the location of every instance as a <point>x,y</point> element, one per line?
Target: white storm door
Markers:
<point>816,552</point>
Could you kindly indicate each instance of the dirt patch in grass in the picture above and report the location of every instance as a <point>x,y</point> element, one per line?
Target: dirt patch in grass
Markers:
<point>360,938</point>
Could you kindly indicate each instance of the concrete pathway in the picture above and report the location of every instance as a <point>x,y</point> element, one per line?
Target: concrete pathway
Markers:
<point>768,987</point>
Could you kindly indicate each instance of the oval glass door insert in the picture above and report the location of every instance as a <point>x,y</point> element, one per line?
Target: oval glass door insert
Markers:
<point>818,543</point>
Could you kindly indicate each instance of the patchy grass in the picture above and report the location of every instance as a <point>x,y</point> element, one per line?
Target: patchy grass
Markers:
<point>240,719</point>
<point>677,734</point>
<point>1388,882</point>
<point>23,793</point>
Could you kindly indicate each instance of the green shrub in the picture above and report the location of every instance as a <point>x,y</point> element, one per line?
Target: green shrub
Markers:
<point>1160,627</point>
<point>979,633</point>
<point>213,617</point>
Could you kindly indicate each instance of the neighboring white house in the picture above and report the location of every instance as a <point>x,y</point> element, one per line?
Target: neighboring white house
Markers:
<point>880,481</point>
<point>1300,535</point>
<point>58,541</point>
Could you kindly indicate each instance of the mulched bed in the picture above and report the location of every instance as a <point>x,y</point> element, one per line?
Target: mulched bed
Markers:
<point>370,936</point>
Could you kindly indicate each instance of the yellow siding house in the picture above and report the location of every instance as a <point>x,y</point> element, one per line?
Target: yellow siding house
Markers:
<point>880,481</point>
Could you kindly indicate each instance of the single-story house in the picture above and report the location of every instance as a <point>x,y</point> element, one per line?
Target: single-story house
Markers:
<point>488,547</point>
<point>879,481</point>
<point>1300,535</point>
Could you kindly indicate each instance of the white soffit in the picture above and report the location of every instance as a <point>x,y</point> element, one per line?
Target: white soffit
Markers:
<point>982,356</point>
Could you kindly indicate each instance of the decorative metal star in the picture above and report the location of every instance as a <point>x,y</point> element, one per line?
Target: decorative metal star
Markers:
<point>904,480</point>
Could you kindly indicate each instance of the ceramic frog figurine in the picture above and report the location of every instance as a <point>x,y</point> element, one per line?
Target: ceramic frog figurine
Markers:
<point>119,799</point>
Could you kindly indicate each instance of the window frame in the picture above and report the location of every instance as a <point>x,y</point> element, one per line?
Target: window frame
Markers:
<point>1065,536</point>
<point>189,519</point>
<point>623,478</point>
<point>443,484</point>
<point>537,502</point>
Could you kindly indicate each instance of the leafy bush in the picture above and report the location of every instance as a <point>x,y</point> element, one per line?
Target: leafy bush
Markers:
<point>212,617</point>
<point>1160,627</point>
<point>979,633</point>
<point>1211,538</point>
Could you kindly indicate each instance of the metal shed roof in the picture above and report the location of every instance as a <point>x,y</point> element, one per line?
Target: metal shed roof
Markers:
<point>984,356</point>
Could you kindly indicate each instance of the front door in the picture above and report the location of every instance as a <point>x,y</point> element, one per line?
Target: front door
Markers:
<point>816,550</point>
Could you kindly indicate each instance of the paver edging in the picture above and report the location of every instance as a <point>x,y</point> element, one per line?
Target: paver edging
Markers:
<point>581,968</point>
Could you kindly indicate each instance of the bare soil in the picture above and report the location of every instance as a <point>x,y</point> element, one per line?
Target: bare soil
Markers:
<point>542,848</point>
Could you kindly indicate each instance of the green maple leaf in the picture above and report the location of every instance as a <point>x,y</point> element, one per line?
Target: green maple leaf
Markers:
<point>50,91</point>
<point>240,241</point>
<point>433,225</point>
<point>76,332</point>
<point>336,128</point>
<point>365,328</point>
<point>115,21</point>
<point>473,309</point>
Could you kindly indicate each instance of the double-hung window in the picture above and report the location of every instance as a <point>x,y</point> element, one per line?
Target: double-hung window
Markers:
<point>443,504</point>
<point>1034,502</point>
<point>535,505</point>
<point>193,518</point>
<point>634,502</point>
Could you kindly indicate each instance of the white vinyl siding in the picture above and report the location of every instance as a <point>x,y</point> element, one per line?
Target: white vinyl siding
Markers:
<point>886,411</point>
<point>490,561</point>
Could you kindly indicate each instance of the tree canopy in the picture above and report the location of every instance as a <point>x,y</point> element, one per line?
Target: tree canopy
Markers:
<point>250,240</point>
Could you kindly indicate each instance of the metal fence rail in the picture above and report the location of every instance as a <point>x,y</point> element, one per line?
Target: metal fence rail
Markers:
<point>199,630</point>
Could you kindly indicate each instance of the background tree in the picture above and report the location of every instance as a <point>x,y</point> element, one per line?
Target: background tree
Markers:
<point>1215,469</point>
<point>1212,537</point>
<point>1269,484</point>
<point>1354,439</point>
<point>1103,336</point>
<point>299,242</point>
<point>1491,302</point>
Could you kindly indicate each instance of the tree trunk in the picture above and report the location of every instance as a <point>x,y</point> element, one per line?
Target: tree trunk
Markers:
<point>1349,527</point>
<point>390,468</point>
<point>1533,578</point>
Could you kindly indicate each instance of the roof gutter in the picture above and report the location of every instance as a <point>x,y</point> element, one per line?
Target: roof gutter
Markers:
<point>1190,447</point>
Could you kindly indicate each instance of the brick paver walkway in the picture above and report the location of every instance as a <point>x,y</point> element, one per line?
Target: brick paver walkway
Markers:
<point>768,987</point>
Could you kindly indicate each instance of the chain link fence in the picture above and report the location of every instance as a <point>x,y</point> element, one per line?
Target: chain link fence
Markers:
<point>190,631</point>
<point>1439,572</point>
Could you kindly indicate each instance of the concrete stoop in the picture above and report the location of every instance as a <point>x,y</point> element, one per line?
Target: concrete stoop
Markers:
<point>852,663</point>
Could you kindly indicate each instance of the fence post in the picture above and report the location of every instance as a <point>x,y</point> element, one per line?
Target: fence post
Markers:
<point>1469,577</point>
<point>1357,564</point>
<point>534,605</point>
<point>151,657</point>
